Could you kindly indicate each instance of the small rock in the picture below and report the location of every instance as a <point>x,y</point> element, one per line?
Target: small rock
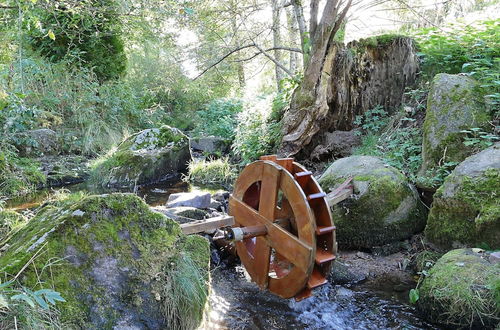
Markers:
<point>196,199</point>
<point>216,205</point>
<point>495,257</point>
<point>221,196</point>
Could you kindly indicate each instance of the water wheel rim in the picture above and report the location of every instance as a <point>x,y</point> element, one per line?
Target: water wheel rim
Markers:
<point>265,179</point>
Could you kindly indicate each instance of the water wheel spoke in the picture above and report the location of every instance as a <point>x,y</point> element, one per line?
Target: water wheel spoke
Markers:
<point>269,192</point>
<point>244,214</point>
<point>290,247</point>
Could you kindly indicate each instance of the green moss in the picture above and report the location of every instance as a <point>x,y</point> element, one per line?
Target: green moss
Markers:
<point>374,219</point>
<point>78,238</point>
<point>426,259</point>
<point>448,113</point>
<point>461,290</point>
<point>471,216</point>
<point>147,157</point>
<point>378,41</point>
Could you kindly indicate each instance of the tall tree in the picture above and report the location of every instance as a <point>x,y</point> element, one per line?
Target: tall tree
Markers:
<point>308,103</point>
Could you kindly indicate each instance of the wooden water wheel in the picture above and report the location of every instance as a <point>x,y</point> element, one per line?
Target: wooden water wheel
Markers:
<point>289,238</point>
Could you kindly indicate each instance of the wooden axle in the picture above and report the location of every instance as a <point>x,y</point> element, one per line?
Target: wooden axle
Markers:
<point>240,233</point>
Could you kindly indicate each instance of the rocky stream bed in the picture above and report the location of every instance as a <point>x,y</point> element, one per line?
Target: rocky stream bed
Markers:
<point>365,291</point>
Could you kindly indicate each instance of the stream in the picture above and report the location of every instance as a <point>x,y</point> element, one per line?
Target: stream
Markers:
<point>237,303</point>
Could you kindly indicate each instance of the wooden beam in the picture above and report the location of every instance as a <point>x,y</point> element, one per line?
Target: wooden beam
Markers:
<point>338,196</point>
<point>207,224</point>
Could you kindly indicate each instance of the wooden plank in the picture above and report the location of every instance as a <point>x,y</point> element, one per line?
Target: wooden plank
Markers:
<point>286,163</point>
<point>207,224</point>
<point>339,196</point>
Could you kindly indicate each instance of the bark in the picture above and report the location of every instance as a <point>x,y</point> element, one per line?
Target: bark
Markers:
<point>292,36</point>
<point>279,74</point>
<point>353,79</point>
<point>301,22</point>
<point>239,64</point>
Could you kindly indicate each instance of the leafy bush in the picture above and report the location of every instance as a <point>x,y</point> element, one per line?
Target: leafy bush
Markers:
<point>256,134</point>
<point>219,118</point>
<point>470,49</point>
<point>373,120</point>
<point>86,33</point>
<point>400,144</point>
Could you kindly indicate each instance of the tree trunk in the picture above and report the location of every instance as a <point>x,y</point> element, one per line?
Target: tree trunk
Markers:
<point>292,36</point>
<point>301,22</point>
<point>382,69</point>
<point>307,105</point>
<point>276,7</point>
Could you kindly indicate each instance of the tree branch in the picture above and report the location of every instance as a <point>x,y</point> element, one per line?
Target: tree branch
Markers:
<point>261,51</point>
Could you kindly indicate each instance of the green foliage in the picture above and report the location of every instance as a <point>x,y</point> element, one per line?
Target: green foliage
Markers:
<point>470,49</point>
<point>18,176</point>
<point>218,118</point>
<point>479,139</point>
<point>86,33</point>
<point>400,143</point>
<point>373,120</point>
<point>435,177</point>
<point>414,295</point>
<point>256,134</point>
<point>23,307</point>
<point>213,171</point>
<point>283,97</point>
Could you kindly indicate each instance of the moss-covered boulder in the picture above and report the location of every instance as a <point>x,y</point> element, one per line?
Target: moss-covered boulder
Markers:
<point>117,263</point>
<point>453,104</point>
<point>462,290</point>
<point>384,207</point>
<point>466,208</point>
<point>9,220</point>
<point>150,156</point>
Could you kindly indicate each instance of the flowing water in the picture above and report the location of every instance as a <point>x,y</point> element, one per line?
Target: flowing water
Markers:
<point>237,303</point>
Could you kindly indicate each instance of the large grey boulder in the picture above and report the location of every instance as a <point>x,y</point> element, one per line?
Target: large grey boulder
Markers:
<point>384,207</point>
<point>38,142</point>
<point>210,144</point>
<point>466,208</point>
<point>453,104</point>
<point>196,199</point>
<point>461,291</point>
<point>117,264</point>
<point>150,156</point>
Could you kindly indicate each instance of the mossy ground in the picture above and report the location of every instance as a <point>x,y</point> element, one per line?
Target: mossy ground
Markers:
<point>462,290</point>
<point>471,217</point>
<point>78,241</point>
<point>10,220</point>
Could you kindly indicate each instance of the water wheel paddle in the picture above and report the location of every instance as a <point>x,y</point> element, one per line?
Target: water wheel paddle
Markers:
<point>286,236</point>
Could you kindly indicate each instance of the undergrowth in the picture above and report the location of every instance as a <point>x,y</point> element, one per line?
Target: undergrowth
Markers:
<point>212,171</point>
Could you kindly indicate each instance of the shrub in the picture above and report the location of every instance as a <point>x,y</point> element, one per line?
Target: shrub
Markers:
<point>399,143</point>
<point>257,134</point>
<point>86,33</point>
<point>219,118</point>
<point>470,49</point>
